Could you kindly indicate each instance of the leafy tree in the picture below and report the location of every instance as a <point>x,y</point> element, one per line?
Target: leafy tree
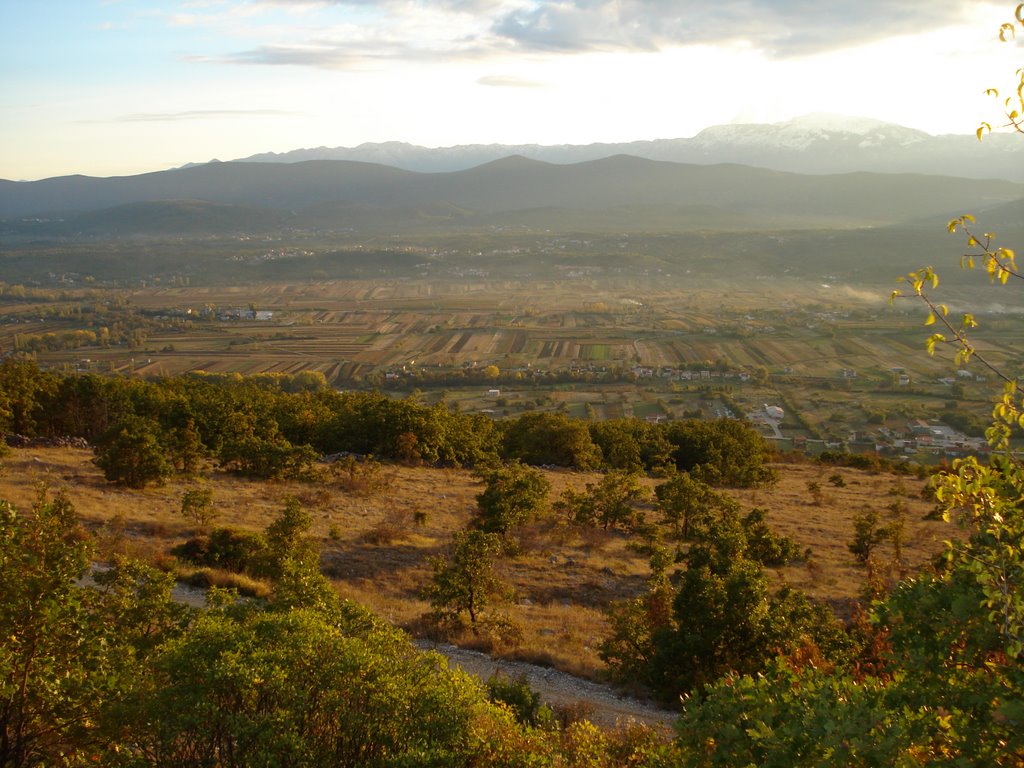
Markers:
<point>131,453</point>
<point>24,393</point>
<point>43,626</point>
<point>197,506</point>
<point>764,545</point>
<point>615,497</point>
<point>608,503</point>
<point>688,505</point>
<point>721,452</point>
<point>255,446</point>
<point>633,445</point>
<point>186,447</point>
<point>465,580</point>
<point>301,688</point>
<point>867,534</point>
<point>629,650</point>
<point>950,686</point>
<point>69,652</point>
<point>550,438</point>
<point>286,538</point>
<point>722,618</point>
<point>513,494</point>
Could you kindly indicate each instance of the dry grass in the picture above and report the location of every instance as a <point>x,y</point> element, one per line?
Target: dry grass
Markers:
<point>377,547</point>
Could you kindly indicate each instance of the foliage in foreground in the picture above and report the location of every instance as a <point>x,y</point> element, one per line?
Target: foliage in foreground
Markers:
<point>116,673</point>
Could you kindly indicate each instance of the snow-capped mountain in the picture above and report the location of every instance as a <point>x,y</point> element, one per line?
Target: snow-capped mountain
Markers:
<point>817,143</point>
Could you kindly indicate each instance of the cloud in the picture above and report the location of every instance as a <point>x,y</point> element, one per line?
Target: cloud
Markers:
<point>343,34</point>
<point>781,28</point>
<point>320,57</point>
<point>199,114</point>
<point>328,55</point>
<point>508,81</point>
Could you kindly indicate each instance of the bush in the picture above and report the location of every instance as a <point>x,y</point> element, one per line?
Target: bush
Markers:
<point>517,696</point>
<point>224,548</point>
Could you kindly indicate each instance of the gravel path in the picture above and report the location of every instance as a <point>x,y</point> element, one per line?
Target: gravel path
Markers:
<point>605,707</point>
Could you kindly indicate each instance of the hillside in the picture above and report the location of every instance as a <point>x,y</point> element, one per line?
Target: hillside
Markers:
<point>514,190</point>
<point>559,586</point>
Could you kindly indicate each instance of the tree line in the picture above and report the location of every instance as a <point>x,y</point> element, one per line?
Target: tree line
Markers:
<point>278,425</point>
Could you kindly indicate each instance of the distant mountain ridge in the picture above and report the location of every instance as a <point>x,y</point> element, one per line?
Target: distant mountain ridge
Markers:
<point>812,144</point>
<point>513,188</point>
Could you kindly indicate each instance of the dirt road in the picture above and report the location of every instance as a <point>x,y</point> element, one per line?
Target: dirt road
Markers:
<point>604,706</point>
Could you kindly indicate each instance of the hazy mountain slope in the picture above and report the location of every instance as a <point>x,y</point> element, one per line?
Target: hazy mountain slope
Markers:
<point>518,184</point>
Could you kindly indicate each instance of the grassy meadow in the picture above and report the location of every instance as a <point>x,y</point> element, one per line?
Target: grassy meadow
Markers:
<point>377,544</point>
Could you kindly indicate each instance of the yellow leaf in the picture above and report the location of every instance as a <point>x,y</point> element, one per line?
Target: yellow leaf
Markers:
<point>931,319</point>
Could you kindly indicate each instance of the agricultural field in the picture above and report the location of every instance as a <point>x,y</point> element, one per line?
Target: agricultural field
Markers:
<point>832,358</point>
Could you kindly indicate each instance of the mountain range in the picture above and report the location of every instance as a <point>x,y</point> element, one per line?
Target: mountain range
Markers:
<point>813,144</point>
<point>514,190</point>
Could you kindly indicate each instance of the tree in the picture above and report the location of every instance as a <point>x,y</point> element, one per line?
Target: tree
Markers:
<point>633,444</point>
<point>947,685</point>
<point>550,438</point>
<point>867,534</point>
<point>69,652</point>
<point>609,503</point>
<point>301,688</point>
<point>42,625</point>
<point>197,506</point>
<point>722,452</point>
<point>629,650</point>
<point>131,453</point>
<point>687,504</point>
<point>465,580</point>
<point>614,499</point>
<point>24,391</point>
<point>286,538</point>
<point>514,493</point>
<point>717,616</point>
<point>255,446</point>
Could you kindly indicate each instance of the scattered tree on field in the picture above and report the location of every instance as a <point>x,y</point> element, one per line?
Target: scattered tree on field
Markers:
<point>465,580</point>
<point>688,505</point>
<point>514,494</point>
<point>197,506</point>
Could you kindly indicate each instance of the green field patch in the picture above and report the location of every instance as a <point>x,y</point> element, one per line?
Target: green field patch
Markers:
<point>643,410</point>
<point>594,351</point>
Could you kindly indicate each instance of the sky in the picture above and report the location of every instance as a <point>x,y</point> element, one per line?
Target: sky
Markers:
<point>118,87</point>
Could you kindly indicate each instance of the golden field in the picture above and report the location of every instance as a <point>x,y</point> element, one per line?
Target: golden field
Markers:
<point>377,546</point>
